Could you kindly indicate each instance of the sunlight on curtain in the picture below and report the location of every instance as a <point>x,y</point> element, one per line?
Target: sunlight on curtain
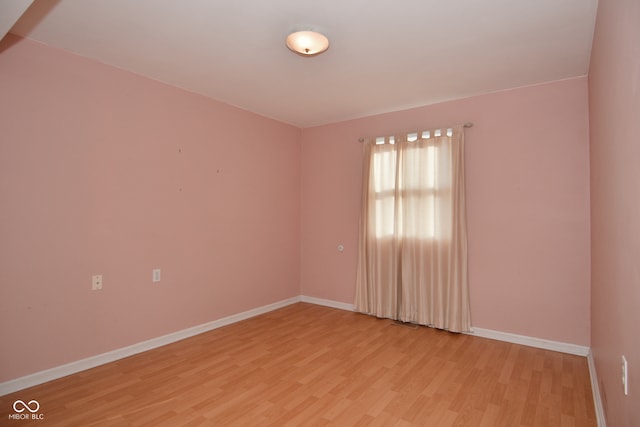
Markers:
<point>412,262</point>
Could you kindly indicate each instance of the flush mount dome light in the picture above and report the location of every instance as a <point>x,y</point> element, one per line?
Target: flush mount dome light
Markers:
<point>307,43</point>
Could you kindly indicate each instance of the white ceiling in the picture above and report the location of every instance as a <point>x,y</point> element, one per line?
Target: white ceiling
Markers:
<point>384,55</point>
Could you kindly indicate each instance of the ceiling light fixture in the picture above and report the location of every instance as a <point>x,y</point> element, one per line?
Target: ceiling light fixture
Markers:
<point>307,43</point>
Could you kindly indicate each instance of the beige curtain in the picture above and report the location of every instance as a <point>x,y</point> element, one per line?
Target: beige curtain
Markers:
<point>412,261</point>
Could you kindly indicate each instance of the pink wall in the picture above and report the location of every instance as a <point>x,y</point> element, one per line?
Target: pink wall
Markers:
<point>614,102</point>
<point>528,206</point>
<point>103,171</point>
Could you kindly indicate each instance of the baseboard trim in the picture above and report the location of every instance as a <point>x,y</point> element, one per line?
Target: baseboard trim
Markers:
<point>111,356</point>
<point>562,347</point>
<point>481,332</point>
<point>595,388</point>
<point>328,303</point>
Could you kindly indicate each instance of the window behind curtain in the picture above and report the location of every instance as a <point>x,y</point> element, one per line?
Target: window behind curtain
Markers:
<point>412,259</point>
<point>420,183</point>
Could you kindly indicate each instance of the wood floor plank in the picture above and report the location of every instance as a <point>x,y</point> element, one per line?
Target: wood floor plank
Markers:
<point>306,365</point>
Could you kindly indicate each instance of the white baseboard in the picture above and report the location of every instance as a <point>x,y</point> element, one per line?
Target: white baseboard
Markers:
<point>578,350</point>
<point>111,356</point>
<point>595,388</point>
<point>91,362</point>
<point>480,332</point>
<point>327,303</point>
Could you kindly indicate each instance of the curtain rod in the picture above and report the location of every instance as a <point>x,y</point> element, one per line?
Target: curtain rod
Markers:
<point>466,125</point>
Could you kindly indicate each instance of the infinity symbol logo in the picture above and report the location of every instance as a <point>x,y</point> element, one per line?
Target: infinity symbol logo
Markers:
<point>26,406</point>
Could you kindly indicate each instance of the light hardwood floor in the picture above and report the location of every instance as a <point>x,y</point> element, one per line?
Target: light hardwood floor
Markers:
<point>316,366</point>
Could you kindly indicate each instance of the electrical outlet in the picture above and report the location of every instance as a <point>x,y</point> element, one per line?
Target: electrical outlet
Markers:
<point>625,376</point>
<point>155,277</point>
<point>96,282</point>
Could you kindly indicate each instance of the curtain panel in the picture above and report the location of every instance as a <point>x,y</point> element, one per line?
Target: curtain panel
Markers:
<point>412,260</point>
